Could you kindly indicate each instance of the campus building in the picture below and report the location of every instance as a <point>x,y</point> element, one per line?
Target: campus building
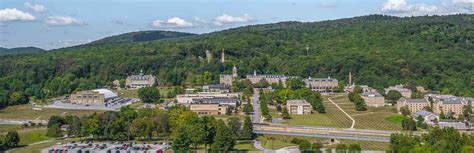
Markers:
<point>140,81</point>
<point>209,97</point>
<point>412,104</point>
<point>298,107</point>
<point>365,88</point>
<point>227,79</point>
<point>373,99</point>
<point>208,109</point>
<point>98,96</point>
<point>222,88</point>
<point>270,78</point>
<point>400,88</point>
<point>428,117</point>
<point>321,84</point>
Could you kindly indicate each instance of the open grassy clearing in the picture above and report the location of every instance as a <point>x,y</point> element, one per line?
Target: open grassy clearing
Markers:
<point>32,136</point>
<point>127,93</point>
<point>26,112</point>
<point>332,118</point>
<point>6,128</point>
<point>373,118</point>
<point>279,141</point>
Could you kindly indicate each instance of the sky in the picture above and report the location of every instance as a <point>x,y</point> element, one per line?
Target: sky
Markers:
<point>51,24</point>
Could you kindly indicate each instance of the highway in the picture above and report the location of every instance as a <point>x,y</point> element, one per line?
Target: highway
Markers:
<point>20,122</point>
<point>321,132</point>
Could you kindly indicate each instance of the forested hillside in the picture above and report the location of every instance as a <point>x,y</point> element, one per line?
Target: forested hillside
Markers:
<point>141,36</point>
<point>433,51</point>
<point>19,50</point>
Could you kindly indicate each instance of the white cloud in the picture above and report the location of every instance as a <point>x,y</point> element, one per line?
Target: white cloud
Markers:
<point>402,8</point>
<point>12,14</point>
<point>174,22</point>
<point>227,19</point>
<point>63,20</point>
<point>35,7</point>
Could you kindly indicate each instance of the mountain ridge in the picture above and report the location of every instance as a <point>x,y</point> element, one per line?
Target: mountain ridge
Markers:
<point>432,51</point>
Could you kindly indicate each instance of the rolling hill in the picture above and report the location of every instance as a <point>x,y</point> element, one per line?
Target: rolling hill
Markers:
<point>436,52</point>
<point>20,50</point>
<point>141,36</point>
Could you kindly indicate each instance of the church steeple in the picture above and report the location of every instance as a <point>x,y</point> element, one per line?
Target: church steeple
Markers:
<point>141,72</point>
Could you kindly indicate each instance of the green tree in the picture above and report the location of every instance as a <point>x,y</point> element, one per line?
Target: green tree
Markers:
<point>284,113</point>
<point>181,141</point>
<point>12,139</point>
<point>54,131</point>
<point>393,96</point>
<point>341,148</point>
<point>305,146</point>
<point>409,124</point>
<point>235,126</point>
<point>295,83</point>
<point>405,111</point>
<point>149,94</point>
<point>224,140</point>
<point>316,147</point>
<point>354,148</point>
<point>248,108</point>
<point>55,120</point>
<point>247,129</point>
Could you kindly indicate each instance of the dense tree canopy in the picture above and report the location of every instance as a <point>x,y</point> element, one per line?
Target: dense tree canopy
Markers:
<point>433,51</point>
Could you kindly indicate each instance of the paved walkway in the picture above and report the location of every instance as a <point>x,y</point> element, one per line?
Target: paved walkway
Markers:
<point>353,121</point>
<point>256,107</point>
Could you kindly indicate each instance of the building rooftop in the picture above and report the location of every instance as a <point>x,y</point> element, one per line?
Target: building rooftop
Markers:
<point>371,94</point>
<point>215,86</point>
<point>422,113</point>
<point>320,79</point>
<point>296,102</point>
<point>417,100</point>
<point>106,92</point>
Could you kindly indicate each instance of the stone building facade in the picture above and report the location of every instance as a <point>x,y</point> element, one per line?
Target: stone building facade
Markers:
<point>140,81</point>
<point>321,84</point>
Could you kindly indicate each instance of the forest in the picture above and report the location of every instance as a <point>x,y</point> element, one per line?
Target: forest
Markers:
<point>436,52</point>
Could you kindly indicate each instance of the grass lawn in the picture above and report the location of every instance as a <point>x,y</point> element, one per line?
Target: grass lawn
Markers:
<point>332,118</point>
<point>127,93</point>
<point>396,119</point>
<point>32,136</point>
<point>275,141</point>
<point>6,128</point>
<point>245,146</point>
<point>285,141</point>
<point>373,118</point>
<point>26,112</point>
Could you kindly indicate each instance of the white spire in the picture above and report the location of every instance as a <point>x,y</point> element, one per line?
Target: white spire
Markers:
<point>254,72</point>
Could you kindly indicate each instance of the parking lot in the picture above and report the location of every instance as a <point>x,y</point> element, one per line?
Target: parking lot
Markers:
<point>112,147</point>
<point>114,104</point>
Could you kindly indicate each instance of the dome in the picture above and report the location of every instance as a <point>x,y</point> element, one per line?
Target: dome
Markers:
<point>107,93</point>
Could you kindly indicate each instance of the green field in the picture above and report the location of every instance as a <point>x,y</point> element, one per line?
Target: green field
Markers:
<point>6,128</point>
<point>332,118</point>
<point>26,112</point>
<point>32,136</point>
<point>373,118</point>
<point>396,119</point>
<point>278,141</point>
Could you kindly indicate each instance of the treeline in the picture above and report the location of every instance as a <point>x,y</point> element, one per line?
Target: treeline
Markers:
<point>183,127</point>
<point>10,140</point>
<point>436,140</point>
<point>357,99</point>
<point>432,51</point>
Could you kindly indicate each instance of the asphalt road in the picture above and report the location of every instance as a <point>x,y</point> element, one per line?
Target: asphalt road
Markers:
<point>256,107</point>
<point>20,122</point>
<point>337,133</point>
